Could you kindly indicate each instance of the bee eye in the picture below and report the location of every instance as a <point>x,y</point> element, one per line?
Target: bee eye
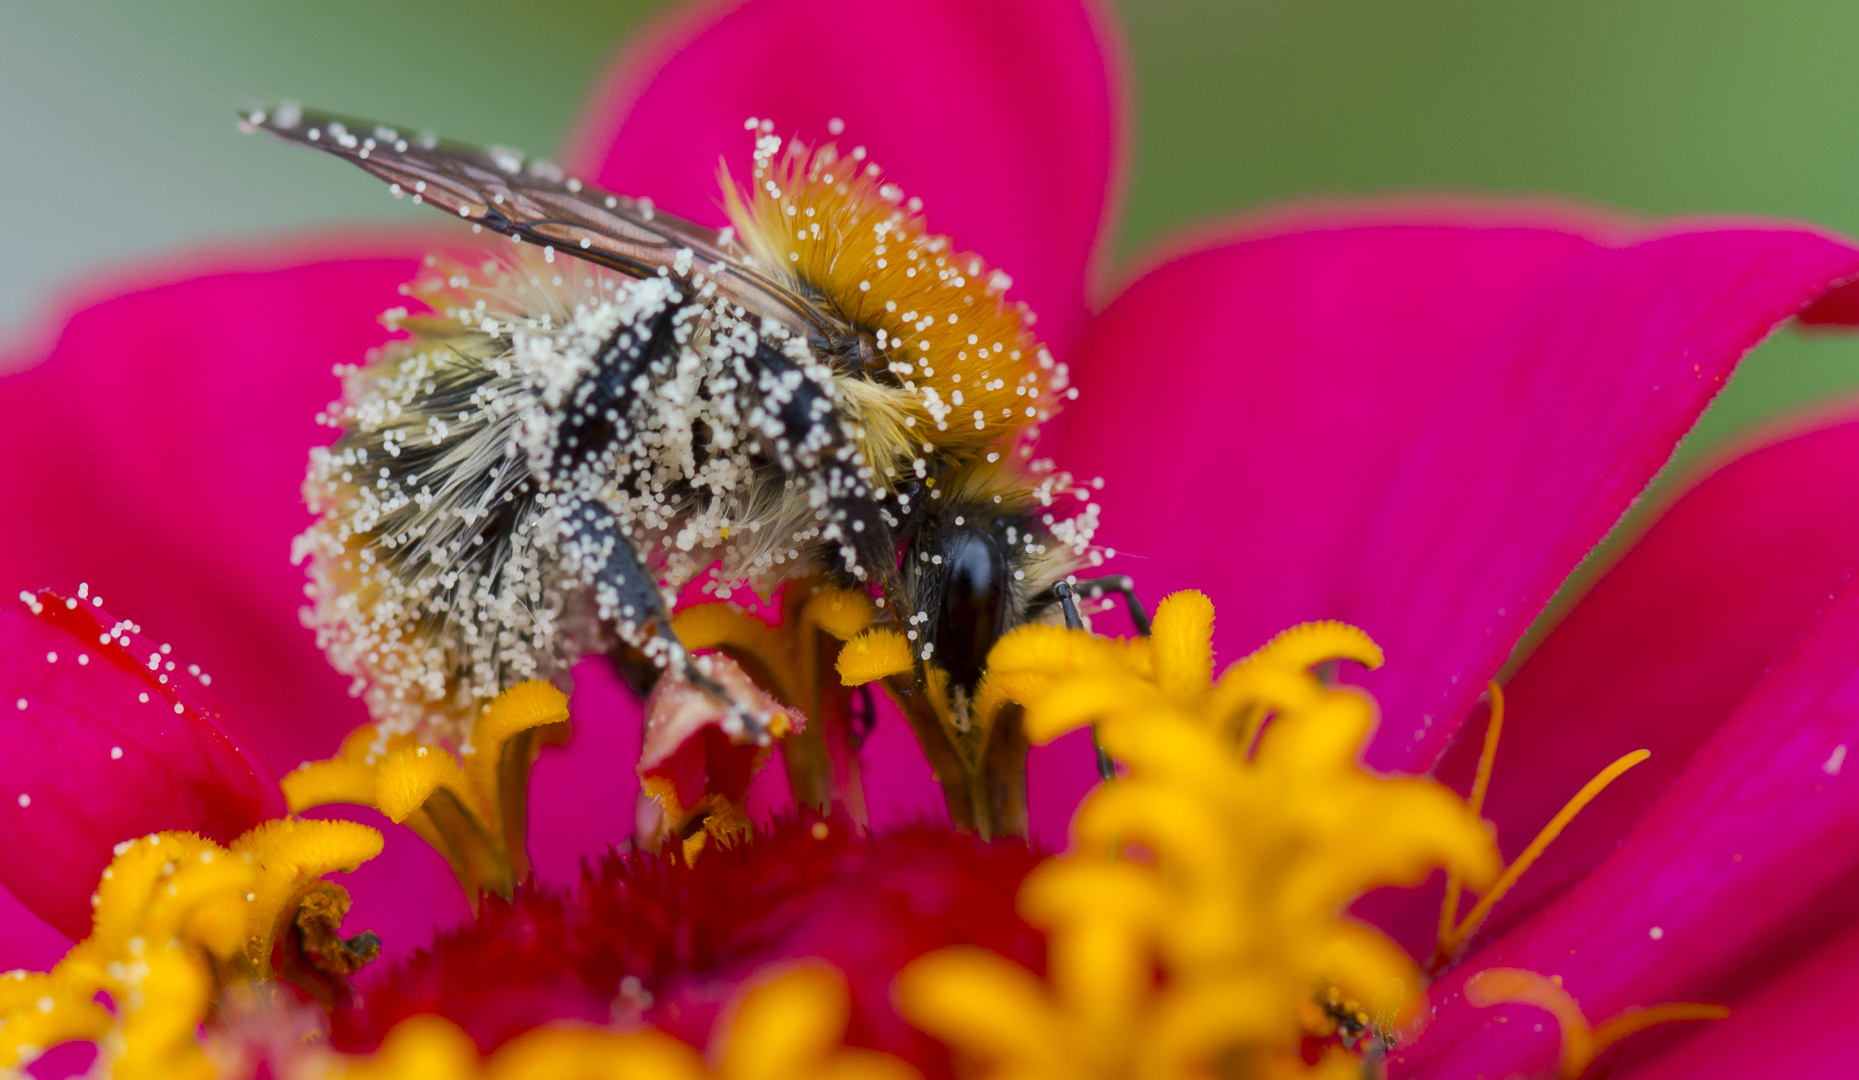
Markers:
<point>974,604</point>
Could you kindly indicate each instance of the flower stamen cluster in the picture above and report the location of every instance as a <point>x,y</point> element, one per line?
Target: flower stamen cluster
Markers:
<point>1197,922</point>
<point>179,921</point>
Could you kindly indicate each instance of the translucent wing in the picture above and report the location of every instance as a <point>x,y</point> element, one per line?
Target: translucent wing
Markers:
<point>533,200</point>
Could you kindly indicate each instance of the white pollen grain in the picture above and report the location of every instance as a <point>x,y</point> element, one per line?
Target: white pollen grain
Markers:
<point>25,800</point>
<point>20,704</point>
<point>116,753</point>
<point>1834,761</point>
<point>51,658</point>
<point>142,697</point>
<point>177,708</point>
<point>1656,933</point>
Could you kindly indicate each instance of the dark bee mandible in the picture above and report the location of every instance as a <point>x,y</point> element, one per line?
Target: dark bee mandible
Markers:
<point>623,401</point>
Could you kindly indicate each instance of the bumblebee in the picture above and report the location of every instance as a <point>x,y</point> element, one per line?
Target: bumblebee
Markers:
<point>585,421</point>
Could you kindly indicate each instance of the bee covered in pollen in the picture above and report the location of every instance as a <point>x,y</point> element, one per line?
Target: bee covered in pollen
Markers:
<point>621,402</point>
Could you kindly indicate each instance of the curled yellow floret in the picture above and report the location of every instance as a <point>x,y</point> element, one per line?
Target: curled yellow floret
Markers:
<point>471,806</point>
<point>178,922</point>
<point>1198,917</point>
<point>788,1025</point>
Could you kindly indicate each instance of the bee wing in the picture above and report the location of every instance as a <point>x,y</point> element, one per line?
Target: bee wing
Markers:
<point>533,200</point>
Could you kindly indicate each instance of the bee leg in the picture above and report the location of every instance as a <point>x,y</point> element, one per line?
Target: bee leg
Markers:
<point>627,589</point>
<point>1094,589</point>
<point>1062,592</point>
<point>1123,585</point>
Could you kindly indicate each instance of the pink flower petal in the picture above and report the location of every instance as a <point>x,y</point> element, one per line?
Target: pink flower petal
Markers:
<point>1001,116</point>
<point>1665,647</point>
<point>1745,864</point>
<point>583,796</point>
<point>157,454</point>
<point>27,942</point>
<point>1799,1024</point>
<point>103,738</point>
<point>1414,421</point>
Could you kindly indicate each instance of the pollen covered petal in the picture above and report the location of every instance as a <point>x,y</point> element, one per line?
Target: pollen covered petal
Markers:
<point>99,743</point>
<point>157,453</point>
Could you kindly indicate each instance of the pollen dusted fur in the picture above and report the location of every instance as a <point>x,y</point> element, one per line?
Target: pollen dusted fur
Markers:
<point>558,447</point>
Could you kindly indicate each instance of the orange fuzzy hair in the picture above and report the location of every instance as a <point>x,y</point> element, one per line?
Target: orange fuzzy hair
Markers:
<point>967,371</point>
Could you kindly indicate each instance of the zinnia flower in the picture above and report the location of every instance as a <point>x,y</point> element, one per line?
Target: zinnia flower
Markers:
<point>1414,419</point>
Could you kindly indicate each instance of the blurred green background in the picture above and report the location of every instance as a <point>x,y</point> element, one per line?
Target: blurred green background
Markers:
<point>115,118</point>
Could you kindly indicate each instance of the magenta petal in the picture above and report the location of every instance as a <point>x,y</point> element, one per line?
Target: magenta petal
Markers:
<point>583,796</point>
<point>1418,425</point>
<point>157,454</point>
<point>103,737</point>
<point>1001,115</point>
<point>1797,1025</point>
<point>27,942</point>
<point>1746,862</point>
<point>1666,646</point>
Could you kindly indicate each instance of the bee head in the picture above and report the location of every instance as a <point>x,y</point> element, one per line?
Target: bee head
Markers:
<point>958,575</point>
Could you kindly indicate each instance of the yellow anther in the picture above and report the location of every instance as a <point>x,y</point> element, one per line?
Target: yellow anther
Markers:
<point>290,856</point>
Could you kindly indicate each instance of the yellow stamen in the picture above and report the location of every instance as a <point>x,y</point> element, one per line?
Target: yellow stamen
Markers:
<point>473,811</point>
<point>179,920</point>
<point>1580,1043</point>
<point>1481,782</point>
<point>1449,944</point>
